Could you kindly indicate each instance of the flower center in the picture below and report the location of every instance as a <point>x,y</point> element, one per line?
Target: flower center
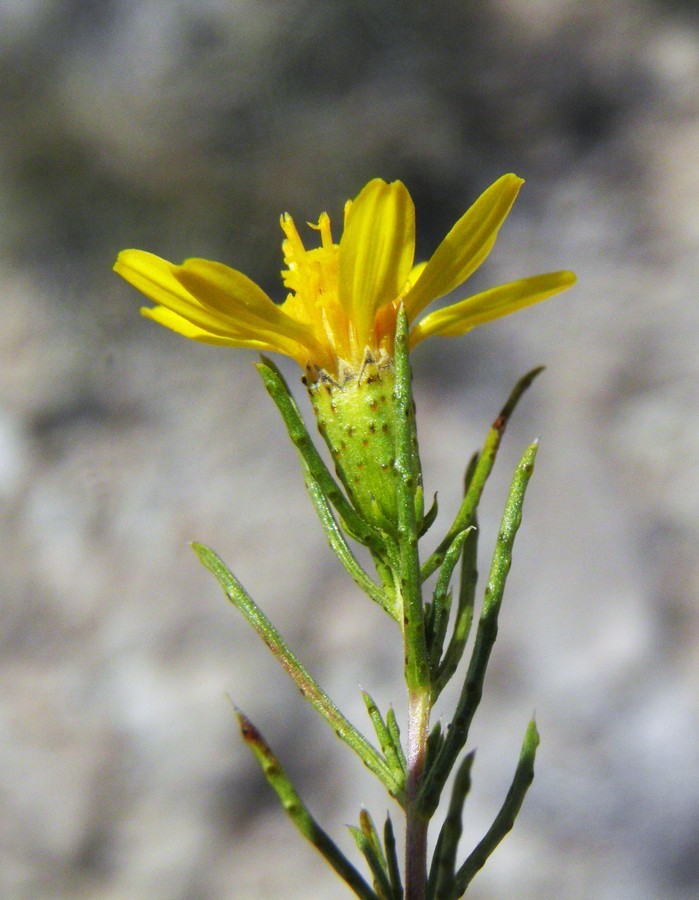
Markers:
<point>312,277</point>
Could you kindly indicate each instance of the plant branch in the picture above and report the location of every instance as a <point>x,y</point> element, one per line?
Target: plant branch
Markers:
<point>297,811</point>
<point>308,687</point>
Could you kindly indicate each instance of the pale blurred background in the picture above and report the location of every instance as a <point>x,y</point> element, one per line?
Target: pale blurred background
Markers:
<point>186,128</point>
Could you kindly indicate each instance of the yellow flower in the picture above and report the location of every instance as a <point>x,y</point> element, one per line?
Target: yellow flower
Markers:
<point>344,297</point>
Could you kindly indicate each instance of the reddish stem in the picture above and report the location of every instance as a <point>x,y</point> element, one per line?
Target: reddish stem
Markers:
<point>416,825</point>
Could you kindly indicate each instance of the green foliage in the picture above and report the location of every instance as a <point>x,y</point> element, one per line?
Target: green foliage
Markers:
<point>435,634</point>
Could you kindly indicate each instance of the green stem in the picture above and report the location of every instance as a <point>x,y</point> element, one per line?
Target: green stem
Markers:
<point>409,588</point>
<point>417,668</point>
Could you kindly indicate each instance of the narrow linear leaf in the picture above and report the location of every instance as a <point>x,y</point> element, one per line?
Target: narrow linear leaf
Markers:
<point>366,823</point>
<point>434,745</point>
<point>482,469</point>
<point>464,612</point>
<point>298,812</point>
<point>450,834</point>
<point>470,471</point>
<point>431,885</point>
<point>394,758</point>
<point>441,601</point>
<point>486,634</point>
<point>308,687</point>
<point>394,731</point>
<point>389,842</point>
<point>505,819</point>
<point>429,517</point>
<point>382,884</point>
<point>279,391</point>
<point>428,611</point>
<point>342,551</point>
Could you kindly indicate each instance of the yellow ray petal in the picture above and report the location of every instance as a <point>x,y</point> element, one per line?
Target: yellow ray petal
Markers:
<point>247,318</point>
<point>376,252</point>
<point>488,305</point>
<point>416,272</point>
<point>465,247</point>
<point>176,323</point>
<point>151,275</point>
<point>155,278</point>
<point>238,298</point>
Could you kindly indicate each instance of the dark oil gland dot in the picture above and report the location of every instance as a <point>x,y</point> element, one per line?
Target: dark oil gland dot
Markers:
<point>373,406</point>
<point>365,442</point>
<point>384,428</point>
<point>372,428</point>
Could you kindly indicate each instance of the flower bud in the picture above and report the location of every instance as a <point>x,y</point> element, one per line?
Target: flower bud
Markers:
<point>356,416</point>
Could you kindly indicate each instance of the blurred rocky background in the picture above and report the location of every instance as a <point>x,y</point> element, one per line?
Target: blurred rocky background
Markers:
<point>185,128</point>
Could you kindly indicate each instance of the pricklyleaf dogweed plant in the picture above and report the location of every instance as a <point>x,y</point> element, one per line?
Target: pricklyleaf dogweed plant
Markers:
<point>354,311</point>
